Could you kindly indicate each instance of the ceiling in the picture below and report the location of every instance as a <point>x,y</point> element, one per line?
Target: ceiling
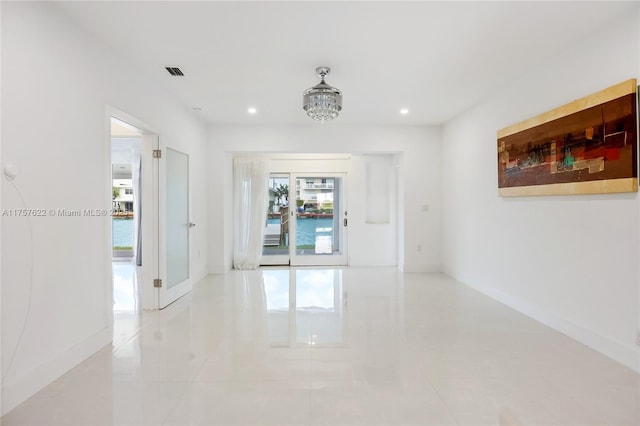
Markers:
<point>435,58</point>
<point>120,129</point>
<point>121,170</point>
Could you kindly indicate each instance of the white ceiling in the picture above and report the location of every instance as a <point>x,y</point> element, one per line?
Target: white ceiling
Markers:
<point>435,58</point>
<point>120,129</point>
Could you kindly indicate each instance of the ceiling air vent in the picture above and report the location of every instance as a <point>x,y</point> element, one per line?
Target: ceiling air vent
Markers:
<point>174,71</point>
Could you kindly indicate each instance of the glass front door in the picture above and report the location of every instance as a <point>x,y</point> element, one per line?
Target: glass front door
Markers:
<point>275,245</point>
<point>320,220</point>
<point>307,221</point>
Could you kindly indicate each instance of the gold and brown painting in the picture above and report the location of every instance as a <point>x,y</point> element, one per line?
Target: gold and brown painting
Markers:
<point>588,146</point>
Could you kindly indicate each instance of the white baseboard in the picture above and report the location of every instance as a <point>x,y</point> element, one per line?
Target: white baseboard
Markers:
<point>219,269</point>
<point>15,392</point>
<point>627,356</point>
<point>372,265</point>
<point>200,276</point>
<point>416,267</point>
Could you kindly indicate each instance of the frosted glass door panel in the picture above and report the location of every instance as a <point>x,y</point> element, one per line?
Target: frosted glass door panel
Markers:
<point>177,217</point>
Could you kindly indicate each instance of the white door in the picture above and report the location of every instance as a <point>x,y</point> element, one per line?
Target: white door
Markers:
<point>174,226</point>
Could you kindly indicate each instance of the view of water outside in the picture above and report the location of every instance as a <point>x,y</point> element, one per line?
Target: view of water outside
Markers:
<point>308,228</point>
<point>122,232</point>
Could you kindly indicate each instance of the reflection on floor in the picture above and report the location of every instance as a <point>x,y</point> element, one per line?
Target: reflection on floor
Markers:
<point>339,346</point>
<point>126,303</point>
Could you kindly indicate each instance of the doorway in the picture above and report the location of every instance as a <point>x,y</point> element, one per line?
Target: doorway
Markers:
<point>125,190</point>
<point>161,212</point>
<point>306,221</point>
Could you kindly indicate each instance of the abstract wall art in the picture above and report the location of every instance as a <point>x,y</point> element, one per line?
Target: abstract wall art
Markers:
<point>588,146</point>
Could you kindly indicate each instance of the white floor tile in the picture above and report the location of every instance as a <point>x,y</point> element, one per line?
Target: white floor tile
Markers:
<point>345,347</point>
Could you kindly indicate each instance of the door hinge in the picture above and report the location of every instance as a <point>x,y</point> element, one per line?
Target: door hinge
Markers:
<point>157,283</point>
<point>157,153</point>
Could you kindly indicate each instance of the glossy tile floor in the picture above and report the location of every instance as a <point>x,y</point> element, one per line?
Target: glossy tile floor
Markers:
<point>126,303</point>
<point>342,347</point>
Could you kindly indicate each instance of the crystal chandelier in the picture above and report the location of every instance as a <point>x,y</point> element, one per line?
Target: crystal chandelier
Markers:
<point>322,102</point>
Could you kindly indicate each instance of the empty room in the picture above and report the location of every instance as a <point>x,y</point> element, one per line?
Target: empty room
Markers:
<point>327,213</point>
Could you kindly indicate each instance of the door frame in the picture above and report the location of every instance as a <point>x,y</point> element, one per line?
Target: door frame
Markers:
<point>149,268</point>
<point>295,163</point>
<point>342,259</point>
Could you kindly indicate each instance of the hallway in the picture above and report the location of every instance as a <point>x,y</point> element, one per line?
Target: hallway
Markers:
<point>344,346</point>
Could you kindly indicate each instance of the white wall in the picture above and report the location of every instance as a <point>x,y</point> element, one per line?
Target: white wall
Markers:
<point>375,243</point>
<point>569,261</point>
<point>419,148</point>
<point>2,186</point>
<point>57,82</point>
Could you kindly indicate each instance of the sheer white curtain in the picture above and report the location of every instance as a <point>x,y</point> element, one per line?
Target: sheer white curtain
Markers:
<point>136,171</point>
<point>251,200</point>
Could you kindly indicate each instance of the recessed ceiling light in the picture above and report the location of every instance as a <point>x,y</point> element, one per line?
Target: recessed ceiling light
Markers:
<point>197,109</point>
<point>404,111</point>
<point>252,110</point>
